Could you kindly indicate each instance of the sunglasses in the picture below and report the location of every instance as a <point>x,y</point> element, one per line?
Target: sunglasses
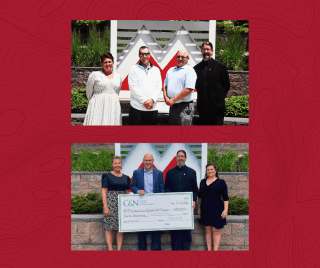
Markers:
<point>182,57</point>
<point>144,54</point>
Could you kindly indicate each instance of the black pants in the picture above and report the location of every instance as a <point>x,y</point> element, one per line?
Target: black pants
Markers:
<point>181,114</point>
<point>181,239</point>
<point>215,119</point>
<point>137,117</point>
<point>155,242</point>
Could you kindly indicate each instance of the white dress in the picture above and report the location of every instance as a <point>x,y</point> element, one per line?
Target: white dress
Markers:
<point>103,95</point>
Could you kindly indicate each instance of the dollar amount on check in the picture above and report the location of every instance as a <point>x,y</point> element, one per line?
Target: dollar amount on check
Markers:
<point>150,212</point>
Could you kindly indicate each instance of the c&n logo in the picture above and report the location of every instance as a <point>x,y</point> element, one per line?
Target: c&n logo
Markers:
<point>130,203</point>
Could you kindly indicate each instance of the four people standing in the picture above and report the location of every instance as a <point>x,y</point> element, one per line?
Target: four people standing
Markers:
<point>212,205</point>
<point>209,77</point>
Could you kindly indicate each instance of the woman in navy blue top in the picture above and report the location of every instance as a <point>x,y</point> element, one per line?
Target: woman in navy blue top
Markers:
<point>213,205</point>
<point>113,184</point>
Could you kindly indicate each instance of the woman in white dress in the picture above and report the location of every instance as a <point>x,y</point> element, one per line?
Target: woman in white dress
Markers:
<point>102,91</point>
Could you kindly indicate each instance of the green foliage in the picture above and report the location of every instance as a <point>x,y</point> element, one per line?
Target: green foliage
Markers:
<point>244,165</point>
<point>213,155</point>
<point>229,161</point>
<point>85,23</point>
<point>238,205</point>
<point>79,101</point>
<point>241,26</point>
<point>88,53</point>
<point>237,106</point>
<point>232,52</point>
<point>90,203</point>
<point>87,160</point>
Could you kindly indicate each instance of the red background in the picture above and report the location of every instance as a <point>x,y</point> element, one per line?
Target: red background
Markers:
<point>36,133</point>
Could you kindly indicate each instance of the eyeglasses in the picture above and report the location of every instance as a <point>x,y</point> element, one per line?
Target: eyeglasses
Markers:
<point>206,50</point>
<point>144,54</point>
<point>182,57</point>
<point>180,156</point>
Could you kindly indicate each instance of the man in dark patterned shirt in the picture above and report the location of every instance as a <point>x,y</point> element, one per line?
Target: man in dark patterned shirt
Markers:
<point>181,179</point>
<point>212,87</point>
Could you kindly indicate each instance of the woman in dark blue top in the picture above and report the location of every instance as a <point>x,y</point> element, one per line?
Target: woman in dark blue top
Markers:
<point>213,205</point>
<point>113,184</point>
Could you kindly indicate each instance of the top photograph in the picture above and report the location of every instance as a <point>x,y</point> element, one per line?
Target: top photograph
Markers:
<point>142,72</point>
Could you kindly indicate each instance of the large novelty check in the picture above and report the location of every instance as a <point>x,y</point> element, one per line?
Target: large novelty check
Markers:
<point>150,212</point>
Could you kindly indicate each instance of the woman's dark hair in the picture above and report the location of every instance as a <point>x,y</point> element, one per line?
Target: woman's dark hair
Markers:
<point>116,157</point>
<point>106,55</point>
<point>215,167</point>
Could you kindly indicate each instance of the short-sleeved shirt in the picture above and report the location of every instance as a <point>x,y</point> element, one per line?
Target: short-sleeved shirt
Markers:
<point>114,183</point>
<point>178,79</point>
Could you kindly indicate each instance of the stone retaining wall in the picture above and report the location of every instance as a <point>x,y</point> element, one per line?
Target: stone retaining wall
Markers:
<point>87,233</point>
<point>239,80</point>
<point>222,147</point>
<point>87,182</point>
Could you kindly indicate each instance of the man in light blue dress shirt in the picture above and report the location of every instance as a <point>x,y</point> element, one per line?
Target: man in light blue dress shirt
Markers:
<point>178,91</point>
<point>148,180</point>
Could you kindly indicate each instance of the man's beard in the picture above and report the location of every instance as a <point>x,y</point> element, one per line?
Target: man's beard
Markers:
<point>206,56</point>
<point>180,164</point>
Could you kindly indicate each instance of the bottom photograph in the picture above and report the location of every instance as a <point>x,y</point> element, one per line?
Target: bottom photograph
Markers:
<point>160,196</point>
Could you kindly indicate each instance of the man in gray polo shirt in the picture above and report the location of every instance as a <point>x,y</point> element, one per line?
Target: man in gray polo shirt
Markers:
<point>178,91</point>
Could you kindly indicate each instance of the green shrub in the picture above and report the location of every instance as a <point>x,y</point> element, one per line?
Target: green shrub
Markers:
<point>90,203</point>
<point>229,161</point>
<point>232,52</point>
<point>238,205</point>
<point>88,53</point>
<point>213,155</point>
<point>237,106</point>
<point>244,165</point>
<point>79,101</point>
<point>87,160</point>
<point>241,26</point>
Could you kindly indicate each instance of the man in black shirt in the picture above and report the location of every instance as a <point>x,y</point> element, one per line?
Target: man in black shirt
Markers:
<point>212,87</point>
<point>181,179</point>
